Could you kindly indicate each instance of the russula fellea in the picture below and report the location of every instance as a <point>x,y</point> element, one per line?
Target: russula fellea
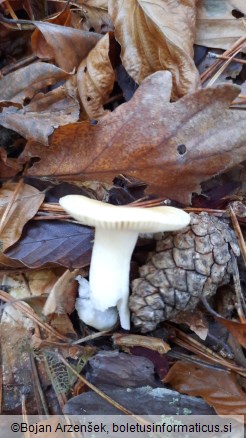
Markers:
<point>116,232</point>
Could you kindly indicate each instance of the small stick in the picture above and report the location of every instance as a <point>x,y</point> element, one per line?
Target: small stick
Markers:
<point>19,64</point>
<point>239,44</point>
<point>92,336</point>
<point>238,232</point>
<point>241,306</point>
<point>241,61</point>
<point>196,347</point>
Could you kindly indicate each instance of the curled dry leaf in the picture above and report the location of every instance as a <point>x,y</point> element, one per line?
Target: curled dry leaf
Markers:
<point>95,79</point>
<point>25,206</point>
<point>62,296</point>
<point>156,35</point>
<point>219,389</point>
<point>65,45</point>
<point>216,25</point>
<point>173,146</point>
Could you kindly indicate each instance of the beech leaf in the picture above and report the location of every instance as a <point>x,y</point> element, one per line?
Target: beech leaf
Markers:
<point>171,146</point>
<point>219,389</point>
<point>63,243</point>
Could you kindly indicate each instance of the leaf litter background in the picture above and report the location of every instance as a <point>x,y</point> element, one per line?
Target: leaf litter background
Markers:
<point>119,101</point>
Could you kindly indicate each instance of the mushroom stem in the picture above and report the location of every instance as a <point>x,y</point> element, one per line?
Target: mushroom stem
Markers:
<point>109,271</point>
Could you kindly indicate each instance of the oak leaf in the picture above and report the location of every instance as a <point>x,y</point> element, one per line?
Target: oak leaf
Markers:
<point>157,35</point>
<point>172,146</point>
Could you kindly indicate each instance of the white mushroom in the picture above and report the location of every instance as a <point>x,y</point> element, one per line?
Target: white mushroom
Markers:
<point>116,232</point>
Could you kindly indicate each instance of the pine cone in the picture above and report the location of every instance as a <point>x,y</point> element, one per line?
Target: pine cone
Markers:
<point>186,265</point>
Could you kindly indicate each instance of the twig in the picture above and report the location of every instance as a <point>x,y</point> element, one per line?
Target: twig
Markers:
<point>241,307</point>
<point>240,61</point>
<point>238,45</point>
<point>221,69</point>
<point>238,232</point>
<point>91,337</point>
<point>191,344</point>
<point>19,64</point>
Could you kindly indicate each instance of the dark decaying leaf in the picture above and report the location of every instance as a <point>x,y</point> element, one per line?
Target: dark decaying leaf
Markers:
<point>60,242</point>
<point>172,146</point>
<point>219,389</point>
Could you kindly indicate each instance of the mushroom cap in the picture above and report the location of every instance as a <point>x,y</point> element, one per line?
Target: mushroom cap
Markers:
<point>100,214</point>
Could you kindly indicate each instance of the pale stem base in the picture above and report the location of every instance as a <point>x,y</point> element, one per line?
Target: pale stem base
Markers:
<point>109,271</point>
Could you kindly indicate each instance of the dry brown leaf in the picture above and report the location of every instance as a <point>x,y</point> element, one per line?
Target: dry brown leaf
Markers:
<point>171,146</point>
<point>219,389</point>
<point>95,79</point>
<point>65,45</point>
<point>37,120</point>
<point>216,26</point>
<point>96,19</point>
<point>195,320</point>
<point>26,205</point>
<point>27,81</point>
<point>156,35</point>
<point>237,329</point>
<point>16,332</point>
<point>32,283</point>
<point>62,295</point>
<point>8,166</point>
